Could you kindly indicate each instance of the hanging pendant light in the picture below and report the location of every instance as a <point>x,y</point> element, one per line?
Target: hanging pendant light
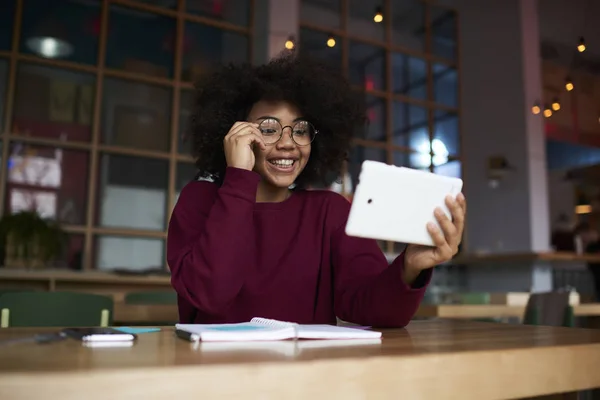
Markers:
<point>49,40</point>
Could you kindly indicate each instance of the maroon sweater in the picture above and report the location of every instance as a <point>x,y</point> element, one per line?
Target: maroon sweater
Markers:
<point>232,259</point>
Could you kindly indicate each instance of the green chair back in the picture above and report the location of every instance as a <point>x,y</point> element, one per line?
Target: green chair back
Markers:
<point>55,309</point>
<point>475,298</point>
<point>550,309</point>
<point>150,298</point>
<point>4,291</point>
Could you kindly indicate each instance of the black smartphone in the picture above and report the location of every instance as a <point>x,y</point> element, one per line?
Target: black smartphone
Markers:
<point>99,335</point>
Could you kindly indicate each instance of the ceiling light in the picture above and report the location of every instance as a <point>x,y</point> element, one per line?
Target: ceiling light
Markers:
<point>49,47</point>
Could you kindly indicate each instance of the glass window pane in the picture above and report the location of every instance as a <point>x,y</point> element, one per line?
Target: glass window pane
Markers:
<point>136,115</point>
<point>70,256</point>
<point>186,172</point>
<point>443,25</point>
<point>376,128</point>
<point>367,66</point>
<point>49,180</point>
<point>169,4</point>
<point>186,101</point>
<point>449,168</point>
<point>409,76</point>
<point>7,16</point>
<point>117,252</point>
<point>408,24</point>
<point>362,22</point>
<point>358,154</point>
<point>73,255</point>
<point>445,85</point>
<point>232,11</point>
<point>325,13</point>
<point>446,139</point>
<point>65,30</point>
<point>53,103</point>
<point>321,45</point>
<point>133,192</point>
<point>413,160</point>
<point>3,84</point>
<point>206,47</point>
<point>411,127</point>
<point>140,42</point>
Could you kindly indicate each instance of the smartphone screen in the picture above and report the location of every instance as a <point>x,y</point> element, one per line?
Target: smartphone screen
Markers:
<point>99,335</point>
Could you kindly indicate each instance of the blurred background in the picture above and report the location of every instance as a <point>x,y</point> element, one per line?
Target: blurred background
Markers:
<point>95,97</point>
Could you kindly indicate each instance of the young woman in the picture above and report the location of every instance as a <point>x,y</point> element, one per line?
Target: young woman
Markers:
<point>249,240</point>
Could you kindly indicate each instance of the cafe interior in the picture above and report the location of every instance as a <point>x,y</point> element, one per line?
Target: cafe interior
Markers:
<point>94,115</point>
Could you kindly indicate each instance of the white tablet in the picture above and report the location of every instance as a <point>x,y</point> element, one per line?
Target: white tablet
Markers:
<point>396,203</point>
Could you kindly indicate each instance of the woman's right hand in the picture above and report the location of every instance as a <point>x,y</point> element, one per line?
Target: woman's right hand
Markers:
<point>238,144</point>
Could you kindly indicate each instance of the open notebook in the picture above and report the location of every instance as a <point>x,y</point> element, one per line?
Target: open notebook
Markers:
<point>270,329</point>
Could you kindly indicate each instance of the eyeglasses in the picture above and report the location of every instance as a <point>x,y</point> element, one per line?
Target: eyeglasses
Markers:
<point>302,133</point>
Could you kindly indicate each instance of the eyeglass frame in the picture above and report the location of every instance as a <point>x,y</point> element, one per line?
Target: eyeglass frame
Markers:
<point>291,131</point>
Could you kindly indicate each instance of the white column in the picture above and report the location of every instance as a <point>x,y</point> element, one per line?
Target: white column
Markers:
<point>539,207</point>
<point>501,79</point>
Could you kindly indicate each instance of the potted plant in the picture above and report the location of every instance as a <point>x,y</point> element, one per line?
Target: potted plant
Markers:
<point>30,241</point>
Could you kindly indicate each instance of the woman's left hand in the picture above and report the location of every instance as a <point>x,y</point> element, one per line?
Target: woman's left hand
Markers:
<point>446,240</point>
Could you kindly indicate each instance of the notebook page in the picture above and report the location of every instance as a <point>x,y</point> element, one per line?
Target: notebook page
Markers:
<point>274,323</point>
<point>334,332</point>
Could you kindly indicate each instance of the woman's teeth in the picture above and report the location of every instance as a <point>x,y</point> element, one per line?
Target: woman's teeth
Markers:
<point>282,163</point>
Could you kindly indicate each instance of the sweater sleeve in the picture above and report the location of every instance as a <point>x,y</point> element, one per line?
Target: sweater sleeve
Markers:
<point>368,291</point>
<point>211,240</point>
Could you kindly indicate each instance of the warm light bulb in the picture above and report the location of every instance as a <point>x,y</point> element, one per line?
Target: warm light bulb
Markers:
<point>555,105</point>
<point>536,109</point>
<point>581,45</point>
<point>331,42</point>
<point>289,44</point>
<point>378,15</point>
<point>583,209</point>
<point>547,113</point>
<point>569,85</point>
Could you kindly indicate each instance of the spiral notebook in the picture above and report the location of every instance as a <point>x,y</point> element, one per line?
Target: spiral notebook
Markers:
<point>269,329</point>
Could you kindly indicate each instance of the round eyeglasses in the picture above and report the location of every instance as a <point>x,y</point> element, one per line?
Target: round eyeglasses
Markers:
<point>302,133</point>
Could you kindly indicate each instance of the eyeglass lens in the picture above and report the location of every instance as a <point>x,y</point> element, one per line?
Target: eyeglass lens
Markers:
<point>303,133</point>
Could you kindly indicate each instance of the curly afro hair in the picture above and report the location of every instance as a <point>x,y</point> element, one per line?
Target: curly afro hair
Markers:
<point>321,93</point>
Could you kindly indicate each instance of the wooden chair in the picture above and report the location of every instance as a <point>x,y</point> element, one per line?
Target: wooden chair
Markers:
<point>56,309</point>
<point>550,309</point>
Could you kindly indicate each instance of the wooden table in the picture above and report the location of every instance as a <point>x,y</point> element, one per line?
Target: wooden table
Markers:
<point>493,310</point>
<point>440,359</point>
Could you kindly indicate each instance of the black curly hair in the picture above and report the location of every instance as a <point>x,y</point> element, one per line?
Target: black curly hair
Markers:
<point>320,92</point>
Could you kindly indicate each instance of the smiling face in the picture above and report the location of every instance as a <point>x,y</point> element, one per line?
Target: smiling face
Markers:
<point>282,162</point>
